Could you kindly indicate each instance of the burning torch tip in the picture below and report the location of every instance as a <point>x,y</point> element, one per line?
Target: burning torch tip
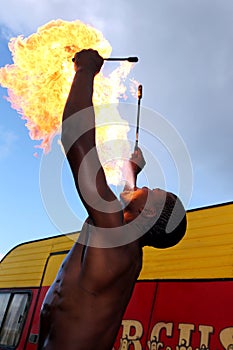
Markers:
<point>139,91</point>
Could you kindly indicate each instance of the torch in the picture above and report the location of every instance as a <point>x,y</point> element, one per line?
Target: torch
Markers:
<point>138,115</point>
<point>129,59</point>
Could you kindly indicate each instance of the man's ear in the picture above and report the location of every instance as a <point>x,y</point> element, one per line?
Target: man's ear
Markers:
<point>148,212</point>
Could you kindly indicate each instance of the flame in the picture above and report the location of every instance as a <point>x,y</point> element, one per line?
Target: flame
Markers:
<point>39,80</point>
<point>134,84</point>
<point>111,129</point>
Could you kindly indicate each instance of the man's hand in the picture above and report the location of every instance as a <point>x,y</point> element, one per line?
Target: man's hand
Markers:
<point>137,161</point>
<point>89,60</point>
<point>132,168</point>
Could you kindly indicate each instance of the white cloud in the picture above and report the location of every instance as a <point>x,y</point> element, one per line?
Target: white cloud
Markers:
<point>26,16</point>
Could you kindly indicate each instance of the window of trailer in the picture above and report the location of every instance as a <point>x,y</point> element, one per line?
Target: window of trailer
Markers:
<point>13,311</point>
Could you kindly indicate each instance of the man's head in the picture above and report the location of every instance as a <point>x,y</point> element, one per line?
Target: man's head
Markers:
<point>160,214</point>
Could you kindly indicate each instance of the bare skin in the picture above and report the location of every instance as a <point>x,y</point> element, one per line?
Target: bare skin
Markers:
<point>84,307</point>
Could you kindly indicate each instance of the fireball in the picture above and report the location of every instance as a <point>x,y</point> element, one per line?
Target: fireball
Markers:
<point>39,80</point>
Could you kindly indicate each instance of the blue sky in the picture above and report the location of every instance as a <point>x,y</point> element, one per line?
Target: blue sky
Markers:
<point>185,50</point>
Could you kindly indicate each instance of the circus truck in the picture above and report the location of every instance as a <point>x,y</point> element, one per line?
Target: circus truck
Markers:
<point>183,299</point>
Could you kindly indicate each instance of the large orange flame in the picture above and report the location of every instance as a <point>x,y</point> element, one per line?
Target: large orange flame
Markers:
<point>39,80</point>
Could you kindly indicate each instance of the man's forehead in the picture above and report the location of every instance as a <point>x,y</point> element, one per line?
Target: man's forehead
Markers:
<point>159,191</point>
<point>159,195</point>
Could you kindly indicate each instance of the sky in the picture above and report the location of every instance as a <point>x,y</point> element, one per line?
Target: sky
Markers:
<point>185,51</point>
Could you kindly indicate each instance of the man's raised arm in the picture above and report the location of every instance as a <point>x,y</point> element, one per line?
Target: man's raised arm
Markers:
<point>78,138</point>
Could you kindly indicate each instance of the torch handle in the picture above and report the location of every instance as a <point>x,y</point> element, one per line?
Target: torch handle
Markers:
<point>138,115</point>
<point>129,59</point>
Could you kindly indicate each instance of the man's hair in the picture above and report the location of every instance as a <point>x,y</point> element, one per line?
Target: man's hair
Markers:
<point>170,227</point>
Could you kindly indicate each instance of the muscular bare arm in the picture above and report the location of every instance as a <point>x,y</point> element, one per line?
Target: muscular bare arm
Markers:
<point>87,171</point>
